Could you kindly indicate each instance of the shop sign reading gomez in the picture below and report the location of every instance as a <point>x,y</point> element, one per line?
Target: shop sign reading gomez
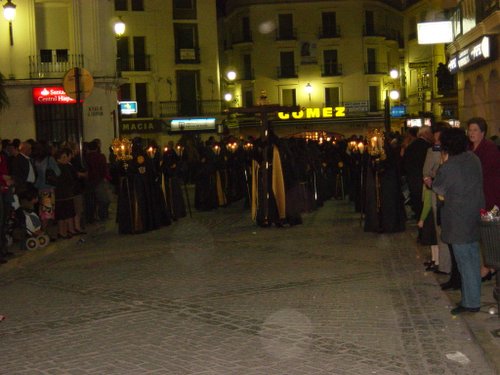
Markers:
<point>476,52</point>
<point>51,95</point>
<point>306,113</point>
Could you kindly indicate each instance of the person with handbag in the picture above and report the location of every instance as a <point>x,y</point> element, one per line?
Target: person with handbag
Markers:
<point>47,172</point>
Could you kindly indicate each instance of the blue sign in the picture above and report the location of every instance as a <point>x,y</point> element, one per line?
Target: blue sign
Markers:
<point>128,108</point>
<point>398,111</point>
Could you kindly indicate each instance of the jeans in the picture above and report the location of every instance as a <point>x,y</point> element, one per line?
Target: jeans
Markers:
<point>469,266</point>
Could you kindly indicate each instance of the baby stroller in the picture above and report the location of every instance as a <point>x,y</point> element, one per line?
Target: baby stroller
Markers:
<point>27,221</point>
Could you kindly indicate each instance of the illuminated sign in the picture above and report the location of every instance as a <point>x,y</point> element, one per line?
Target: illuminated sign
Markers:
<point>398,111</point>
<point>306,113</point>
<point>128,107</point>
<point>192,124</point>
<point>419,122</point>
<point>51,95</point>
<point>478,51</point>
<point>141,126</point>
<point>435,32</point>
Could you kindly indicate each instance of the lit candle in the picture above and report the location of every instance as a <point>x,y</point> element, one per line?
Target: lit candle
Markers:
<point>361,147</point>
<point>373,142</point>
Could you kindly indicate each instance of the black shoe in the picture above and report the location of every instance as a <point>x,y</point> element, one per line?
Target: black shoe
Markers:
<point>488,276</point>
<point>432,268</point>
<point>449,286</point>
<point>461,309</point>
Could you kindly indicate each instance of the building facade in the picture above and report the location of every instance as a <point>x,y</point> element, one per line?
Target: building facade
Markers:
<point>166,62</point>
<point>169,62</point>
<point>319,55</point>
<point>473,59</point>
<point>45,41</point>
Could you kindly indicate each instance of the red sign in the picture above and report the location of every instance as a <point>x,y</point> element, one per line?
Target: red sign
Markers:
<point>51,95</point>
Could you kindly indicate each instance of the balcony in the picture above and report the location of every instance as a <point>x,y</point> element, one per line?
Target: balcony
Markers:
<point>286,34</point>
<point>187,55</point>
<point>374,68</point>
<point>242,38</point>
<point>204,108</point>
<point>133,63</point>
<point>373,31</point>
<point>41,67</point>
<point>287,71</point>
<point>331,70</point>
<point>329,32</point>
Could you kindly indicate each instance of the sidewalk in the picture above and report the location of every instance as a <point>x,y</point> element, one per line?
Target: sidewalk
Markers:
<point>485,328</point>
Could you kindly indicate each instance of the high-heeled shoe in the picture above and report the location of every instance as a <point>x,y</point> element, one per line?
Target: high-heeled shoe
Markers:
<point>488,276</point>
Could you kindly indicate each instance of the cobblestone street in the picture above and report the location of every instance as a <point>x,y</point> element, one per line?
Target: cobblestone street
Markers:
<point>215,294</point>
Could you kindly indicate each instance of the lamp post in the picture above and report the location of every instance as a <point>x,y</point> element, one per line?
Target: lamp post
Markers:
<point>119,29</point>
<point>9,12</point>
<point>390,94</point>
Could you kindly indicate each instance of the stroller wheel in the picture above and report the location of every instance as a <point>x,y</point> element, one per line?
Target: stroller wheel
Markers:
<point>31,243</point>
<point>43,240</point>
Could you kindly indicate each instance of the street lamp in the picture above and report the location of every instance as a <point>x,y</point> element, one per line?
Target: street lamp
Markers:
<point>9,12</point>
<point>119,28</point>
<point>309,90</point>
<point>231,75</point>
<point>392,94</point>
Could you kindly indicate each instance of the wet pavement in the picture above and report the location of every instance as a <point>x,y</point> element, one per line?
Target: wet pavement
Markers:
<point>215,294</point>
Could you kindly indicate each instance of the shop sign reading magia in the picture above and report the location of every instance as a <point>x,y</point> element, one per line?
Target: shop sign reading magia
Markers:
<point>141,126</point>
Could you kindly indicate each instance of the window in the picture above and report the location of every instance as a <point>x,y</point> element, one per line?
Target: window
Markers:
<point>121,5</point>
<point>329,22</point>
<point>245,28</point>
<point>184,9</point>
<point>248,98</point>
<point>122,55</point>
<point>287,65</point>
<point>61,55</point>
<point>138,5</point>
<point>285,27</point>
<point>124,94</point>
<point>371,54</point>
<point>369,23</point>
<point>332,96</point>
<point>186,43</point>
<point>247,66</point>
<point>330,61</point>
<point>141,96</point>
<point>141,62</point>
<point>374,98</point>
<point>46,55</point>
<point>188,92</point>
<point>288,97</point>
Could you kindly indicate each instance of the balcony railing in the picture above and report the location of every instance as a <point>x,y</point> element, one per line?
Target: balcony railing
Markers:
<point>331,69</point>
<point>373,31</point>
<point>374,68</point>
<point>287,71</point>
<point>54,69</point>
<point>242,38</point>
<point>329,32</point>
<point>286,34</point>
<point>187,55</point>
<point>203,107</point>
<point>133,63</point>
